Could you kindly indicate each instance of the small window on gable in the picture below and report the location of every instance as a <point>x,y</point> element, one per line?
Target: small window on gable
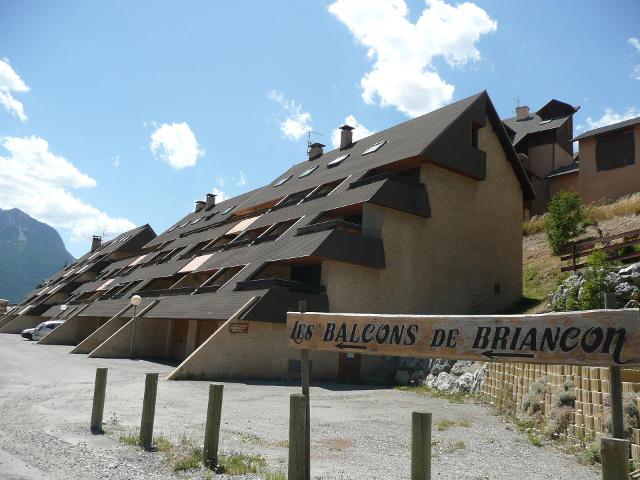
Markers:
<point>308,171</point>
<point>374,148</point>
<point>337,161</point>
<point>474,134</point>
<point>629,148</point>
<point>282,180</point>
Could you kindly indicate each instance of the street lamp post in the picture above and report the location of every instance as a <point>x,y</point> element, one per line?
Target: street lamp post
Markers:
<point>63,308</point>
<point>135,301</point>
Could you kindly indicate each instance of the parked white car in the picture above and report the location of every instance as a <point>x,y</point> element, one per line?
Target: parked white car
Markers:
<point>45,328</point>
<point>28,333</point>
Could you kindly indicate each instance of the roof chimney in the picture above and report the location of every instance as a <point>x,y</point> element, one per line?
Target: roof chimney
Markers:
<point>315,150</point>
<point>96,242</point>
<point>200,204</point>
<point>346,136</point>
<point>211,201</point>
<point>522,113</point>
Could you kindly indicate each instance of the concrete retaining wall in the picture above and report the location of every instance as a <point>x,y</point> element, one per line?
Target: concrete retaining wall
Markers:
<point>18,324</point>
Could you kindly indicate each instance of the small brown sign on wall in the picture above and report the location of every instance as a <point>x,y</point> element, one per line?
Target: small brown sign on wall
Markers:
<point>598,337</point>
<point>239,327</point>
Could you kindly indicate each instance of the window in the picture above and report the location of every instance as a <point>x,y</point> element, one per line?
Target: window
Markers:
<point>308,171</point>
<point>374,148</point>
<point>615,150</point>
<point>282,180</point>
<point>474,134</point>
<point>184,224</point>
<point>210,216</point>
<point>544,122</point>
<point>323,190</point>
<point>629,148</point>
<point>228,210</point>
<point>196,220</point>
<point>337,161</point>
<point>292,199</point>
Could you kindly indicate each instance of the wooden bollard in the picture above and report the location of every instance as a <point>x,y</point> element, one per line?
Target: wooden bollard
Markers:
<point>615,459</point>
<point>98,400</point>
<point>212,428</point>
<point>297,437</point>
<point>420,446</point>
<point>148,410</point>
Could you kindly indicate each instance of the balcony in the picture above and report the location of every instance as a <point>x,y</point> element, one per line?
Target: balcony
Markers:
<point>330,225</point>
<point>280,284</point>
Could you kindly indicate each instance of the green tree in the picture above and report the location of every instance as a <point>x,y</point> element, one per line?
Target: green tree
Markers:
<point>566,219</point>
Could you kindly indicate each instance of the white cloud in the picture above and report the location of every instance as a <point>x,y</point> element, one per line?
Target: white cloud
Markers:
<point>242,181</point>
<point>635,43</point>
<point>10,82</point>
<point>220,195</point>
<point>298,122</point>
<point>115,161</point>
<point>219,179</point>
<point>37,181</point>
<point>609,117</point>
<point>402,52</point>
<point>359,131</point>
<point>176,145</point>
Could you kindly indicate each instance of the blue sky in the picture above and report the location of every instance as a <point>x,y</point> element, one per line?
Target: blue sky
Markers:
<point>120,113</point>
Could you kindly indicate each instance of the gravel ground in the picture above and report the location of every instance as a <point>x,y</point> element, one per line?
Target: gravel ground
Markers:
<point>356,432</point>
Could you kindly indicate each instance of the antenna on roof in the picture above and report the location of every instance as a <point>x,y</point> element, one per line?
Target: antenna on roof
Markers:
<point>517,100</point>
<point>309,133</point>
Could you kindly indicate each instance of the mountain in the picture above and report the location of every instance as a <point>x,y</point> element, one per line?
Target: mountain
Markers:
<point>30,251</point>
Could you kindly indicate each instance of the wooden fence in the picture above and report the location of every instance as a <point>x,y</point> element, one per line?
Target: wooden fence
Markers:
<point>613,245</point>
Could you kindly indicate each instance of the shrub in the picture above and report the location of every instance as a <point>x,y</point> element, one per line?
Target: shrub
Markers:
<point>533,399</point>
<point>631,416</point>
<point>567,396</point>
<point>595,282</point>
<point>559,420</point>
<point>566,219</point>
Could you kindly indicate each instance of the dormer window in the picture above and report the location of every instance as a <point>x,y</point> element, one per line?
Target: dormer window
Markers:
<point>374,148</point>
<point>474,134</point>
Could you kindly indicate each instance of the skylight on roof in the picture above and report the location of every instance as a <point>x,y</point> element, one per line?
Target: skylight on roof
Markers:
<point>282,180</point>
<point>308,171</point>
<point>337,161</point>
<point>544,122</point>
<point>196,220</point>
<point>374,148</point>
<point>228,210</point>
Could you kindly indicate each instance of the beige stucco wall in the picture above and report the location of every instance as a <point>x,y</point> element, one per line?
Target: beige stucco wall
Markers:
<point>7,319</point>
<point>450,262</point>
<point>100,335</point>
<point>20,322</point>
<point>263,352</point>
<point>608,184</point>
<point>567,183</point>
<point>73,331</point>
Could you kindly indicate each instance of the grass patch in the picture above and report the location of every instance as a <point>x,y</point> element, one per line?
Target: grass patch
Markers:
<point>238,464</point>
<point>282,444</point>
<point>132,440</point>
<point>445,424</point>
<point>532,226</point>
<point>162,444</point>
<point>456,446</point>
<point>192,459</point>
<point>276,476</point>
<point>452,397</point>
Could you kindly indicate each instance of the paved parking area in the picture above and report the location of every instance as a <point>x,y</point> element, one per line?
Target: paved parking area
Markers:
<point>357,432</point>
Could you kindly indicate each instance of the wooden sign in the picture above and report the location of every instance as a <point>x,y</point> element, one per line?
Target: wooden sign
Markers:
<point>595,337</point>
<point>239,327</point>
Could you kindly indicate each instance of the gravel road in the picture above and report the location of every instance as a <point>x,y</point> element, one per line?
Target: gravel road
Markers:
<point>356,432</point>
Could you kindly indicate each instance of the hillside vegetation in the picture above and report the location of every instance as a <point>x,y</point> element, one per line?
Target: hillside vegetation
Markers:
<point>541,269</point>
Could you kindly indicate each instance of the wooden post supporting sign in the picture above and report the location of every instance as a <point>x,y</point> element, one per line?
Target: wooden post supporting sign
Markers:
<point>98,400</point>
<point>297,437</point>
<point>148,410</point>
<point>615,383</point>
<point>212,429</point>
<point>420,446</point>
<point>304,374</point>
<point>615,459</point>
